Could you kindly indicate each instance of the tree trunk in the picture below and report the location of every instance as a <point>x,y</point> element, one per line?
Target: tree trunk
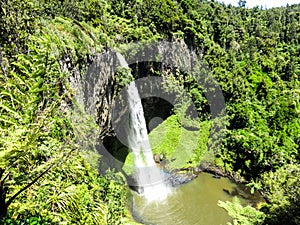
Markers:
<point>3,190</point>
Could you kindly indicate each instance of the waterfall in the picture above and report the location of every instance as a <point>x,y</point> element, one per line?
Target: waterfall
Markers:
<point>138,136</point>
<point>148,176</point>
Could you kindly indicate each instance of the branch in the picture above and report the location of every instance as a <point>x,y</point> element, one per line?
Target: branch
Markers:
<point>36,179</point>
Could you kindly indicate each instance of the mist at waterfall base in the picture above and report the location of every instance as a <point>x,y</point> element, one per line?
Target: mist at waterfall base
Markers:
<point>148,176</point>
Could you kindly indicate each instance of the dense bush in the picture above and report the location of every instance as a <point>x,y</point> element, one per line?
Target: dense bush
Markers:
<point>252,53</point>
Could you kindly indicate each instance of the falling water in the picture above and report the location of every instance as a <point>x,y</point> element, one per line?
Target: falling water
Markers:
<point>148,176</point>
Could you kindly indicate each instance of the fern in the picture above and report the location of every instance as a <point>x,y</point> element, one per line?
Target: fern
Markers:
<point>242,215</point>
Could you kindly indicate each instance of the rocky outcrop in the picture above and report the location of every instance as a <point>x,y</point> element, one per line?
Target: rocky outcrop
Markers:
<point>96,88</point>
<point>171,179</point>
<point>175,179</point>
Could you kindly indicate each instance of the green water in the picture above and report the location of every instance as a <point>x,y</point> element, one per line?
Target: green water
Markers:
<point>194,203</point>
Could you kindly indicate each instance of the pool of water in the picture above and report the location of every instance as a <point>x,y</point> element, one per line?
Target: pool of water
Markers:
<point>194,203</point>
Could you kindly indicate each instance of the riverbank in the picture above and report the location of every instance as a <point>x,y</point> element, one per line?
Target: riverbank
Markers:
<point>192,173</point>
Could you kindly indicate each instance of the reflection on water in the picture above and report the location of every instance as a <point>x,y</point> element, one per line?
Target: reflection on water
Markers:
<point>194,203</point>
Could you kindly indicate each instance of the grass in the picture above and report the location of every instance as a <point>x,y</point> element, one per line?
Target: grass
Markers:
<point>180,146</point>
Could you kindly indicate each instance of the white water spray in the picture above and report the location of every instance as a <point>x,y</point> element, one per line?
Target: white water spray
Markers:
<point>148,176</point>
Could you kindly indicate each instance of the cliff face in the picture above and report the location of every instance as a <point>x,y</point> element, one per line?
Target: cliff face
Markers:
<point>99,94</point>
<point>96,88</point>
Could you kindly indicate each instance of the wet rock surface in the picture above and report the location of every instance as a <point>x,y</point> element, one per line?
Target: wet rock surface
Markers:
<point>175,179</point>
<point>171,178</point>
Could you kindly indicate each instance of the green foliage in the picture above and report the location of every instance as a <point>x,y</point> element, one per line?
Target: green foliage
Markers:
<point>34,220</point>
<point>254,186</point>
<point>242,215</point>
<point>282,188</point>
<point>31,118</point>
<point>45,173</point>
<point>182,147</point>
<point>19,20</point>
<point>123,78</point>
<point>115,195</point>
<point>158,16</point>
<point>70,193</point>
<point>73,9</point>
<point>252,53</point>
